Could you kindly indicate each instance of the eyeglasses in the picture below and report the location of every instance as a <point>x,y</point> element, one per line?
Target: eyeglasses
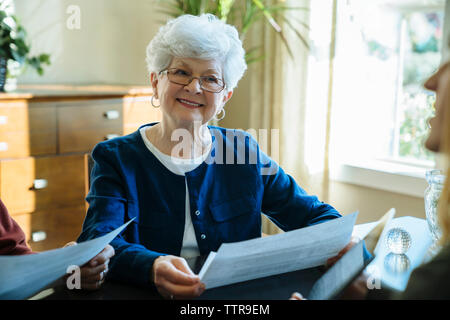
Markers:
<point>207,83</point>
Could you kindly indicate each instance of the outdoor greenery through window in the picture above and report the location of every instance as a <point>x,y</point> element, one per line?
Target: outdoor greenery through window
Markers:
<point>422,37</point>
<point>384,54</point>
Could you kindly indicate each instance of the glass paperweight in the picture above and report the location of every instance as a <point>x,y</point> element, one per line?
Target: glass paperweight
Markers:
<point>435,180</point>
<point>397,263</point>
<point>398,240</point>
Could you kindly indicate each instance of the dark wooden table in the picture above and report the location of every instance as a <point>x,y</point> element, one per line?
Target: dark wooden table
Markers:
<point>277,287</point>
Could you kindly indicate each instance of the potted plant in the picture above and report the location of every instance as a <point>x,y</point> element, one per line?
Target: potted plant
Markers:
<point>242,14</point>
<point>14,48</point>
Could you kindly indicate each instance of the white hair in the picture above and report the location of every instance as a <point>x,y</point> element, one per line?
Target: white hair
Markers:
<point>202,37</point>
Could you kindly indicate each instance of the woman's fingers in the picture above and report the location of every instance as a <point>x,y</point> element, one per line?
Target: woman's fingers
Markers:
<point>170,272</point>
<point>296,296</point>
<point>183,266</point>
<point>174,279</point>
<point>182,291</point>
<point>88,271</point>
<point>106,254</point>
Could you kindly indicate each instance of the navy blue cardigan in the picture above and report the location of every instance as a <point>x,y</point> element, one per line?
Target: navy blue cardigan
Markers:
<point>228,192</point>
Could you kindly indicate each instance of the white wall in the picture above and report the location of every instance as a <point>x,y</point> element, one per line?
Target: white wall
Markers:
<point>109,47</point>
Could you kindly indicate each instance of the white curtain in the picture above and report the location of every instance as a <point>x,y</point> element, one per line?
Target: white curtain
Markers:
<point>293,95</point>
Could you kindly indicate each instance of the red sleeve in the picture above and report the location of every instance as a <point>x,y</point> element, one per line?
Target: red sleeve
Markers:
<point>12,237</point>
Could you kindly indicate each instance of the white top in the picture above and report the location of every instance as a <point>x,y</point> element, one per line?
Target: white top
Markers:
<point>180,167</point>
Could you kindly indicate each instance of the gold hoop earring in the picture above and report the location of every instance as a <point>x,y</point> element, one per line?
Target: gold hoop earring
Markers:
<point>153,103</point>
<point>223,115</point>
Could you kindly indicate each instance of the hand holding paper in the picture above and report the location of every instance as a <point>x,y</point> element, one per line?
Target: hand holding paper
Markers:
<point>23,276</point>
<point>294,250</point>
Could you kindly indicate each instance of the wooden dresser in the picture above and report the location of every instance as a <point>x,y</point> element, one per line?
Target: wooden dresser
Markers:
<point>45,132</point>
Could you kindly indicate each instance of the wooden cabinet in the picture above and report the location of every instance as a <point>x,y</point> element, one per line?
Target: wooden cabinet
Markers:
<point>44,136</point>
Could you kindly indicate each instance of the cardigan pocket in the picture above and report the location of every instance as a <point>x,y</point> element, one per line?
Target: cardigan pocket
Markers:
<point>227,210</point>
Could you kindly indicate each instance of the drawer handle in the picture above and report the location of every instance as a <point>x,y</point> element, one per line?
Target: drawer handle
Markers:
<point>111,136</point>
<point>111,114</point>
<point>3,119</point>
<point>3,146</point>
<point>38,236</point>
<point>40,184</point>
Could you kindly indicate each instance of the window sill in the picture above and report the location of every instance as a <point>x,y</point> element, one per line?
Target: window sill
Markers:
<point>383,175</point>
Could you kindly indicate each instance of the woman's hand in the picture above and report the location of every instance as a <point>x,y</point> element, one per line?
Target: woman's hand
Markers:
<point>357,290</point>
<point>93,273</point>
<point>297,296</point>
<point>330,262</point>
<point>174,279</point>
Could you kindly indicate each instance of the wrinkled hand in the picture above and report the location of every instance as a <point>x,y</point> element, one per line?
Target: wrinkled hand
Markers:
<point>93,273</point>
<point>330,262</point>
<point>174,279</point>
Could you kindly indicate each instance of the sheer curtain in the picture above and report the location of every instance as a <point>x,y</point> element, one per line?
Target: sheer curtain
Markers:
<point>293,95</point>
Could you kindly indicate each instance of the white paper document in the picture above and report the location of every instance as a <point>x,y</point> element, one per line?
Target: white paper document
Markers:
<point>294,250</point>
<point>339,275</point>
<point>23,276</point>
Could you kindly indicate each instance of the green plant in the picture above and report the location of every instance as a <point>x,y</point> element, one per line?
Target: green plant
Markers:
<point>242,14</point>
<point>14,46</point>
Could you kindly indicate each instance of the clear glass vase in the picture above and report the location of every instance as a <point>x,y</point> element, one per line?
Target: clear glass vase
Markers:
<point>435,179</point>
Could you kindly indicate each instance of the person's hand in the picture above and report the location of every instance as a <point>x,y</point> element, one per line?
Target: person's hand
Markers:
<point>174,279</point>
<point>357,290</point>
<point>330,262</point>
<point>297,296</point>
<point>93,273</point>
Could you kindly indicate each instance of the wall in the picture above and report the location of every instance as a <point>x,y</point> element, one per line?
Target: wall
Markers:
<point>109,46</point>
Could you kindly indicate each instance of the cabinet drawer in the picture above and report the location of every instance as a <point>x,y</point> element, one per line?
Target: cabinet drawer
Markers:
<point>27,130</point>
<point>34,184</point>
<point>138,111</point>
<point>45,230</point>
<point>81,126</point>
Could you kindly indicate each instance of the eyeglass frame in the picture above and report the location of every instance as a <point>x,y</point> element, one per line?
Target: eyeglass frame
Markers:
<point>192,78</point>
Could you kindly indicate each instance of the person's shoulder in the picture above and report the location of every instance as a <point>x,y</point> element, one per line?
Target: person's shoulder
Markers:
<point>119,145</point>
<point>232,134</point>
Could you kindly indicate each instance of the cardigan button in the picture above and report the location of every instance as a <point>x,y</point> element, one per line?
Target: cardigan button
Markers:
<point>197,213</point>
<point>203,236</point>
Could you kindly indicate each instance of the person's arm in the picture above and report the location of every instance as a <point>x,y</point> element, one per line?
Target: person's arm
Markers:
<point>286,203</point>
<point>12,237</point>
<point>290,207</point>
<point>108,208</point>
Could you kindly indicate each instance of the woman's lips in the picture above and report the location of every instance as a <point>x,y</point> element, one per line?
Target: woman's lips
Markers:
<point>189,104</point>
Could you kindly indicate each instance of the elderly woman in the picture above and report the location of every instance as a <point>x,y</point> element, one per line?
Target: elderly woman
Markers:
<point>188,197</point>
<point>432,280</point>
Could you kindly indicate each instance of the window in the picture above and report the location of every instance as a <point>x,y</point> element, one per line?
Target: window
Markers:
<point>385,50</point>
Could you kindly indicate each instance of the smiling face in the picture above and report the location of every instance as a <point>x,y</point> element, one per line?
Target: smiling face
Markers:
<point>182,105</point>
<point>439,83</point>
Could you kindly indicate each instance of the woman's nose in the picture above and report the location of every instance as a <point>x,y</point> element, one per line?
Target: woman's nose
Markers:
<point>194,86</point>
<point>431,83</point>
